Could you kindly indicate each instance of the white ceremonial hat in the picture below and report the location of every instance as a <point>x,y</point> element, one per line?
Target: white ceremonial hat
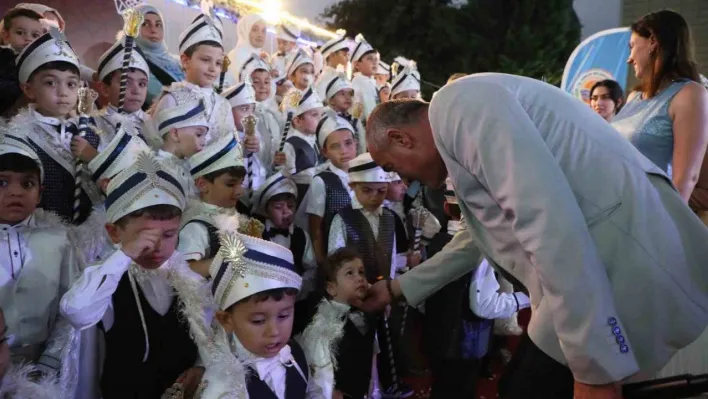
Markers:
<point>120,153</point>
<point>334,45</point>
<point>287,32</point>
<point>147,182</point>
<point>252,64</point>
<point>11,144</point>
<point>203,29</point>
<point>246,265</point>
<point>296,60</point>
<point>383,68</point>
<point>331,122</point>
<point>450,196</point>
<point>191,113</point>
<point>276,184</point>
<point>221,154</point>
<point>50,47</point>
<point>332,83</point>
<point>408,79</point>
<point>361,49</point>
<point>393,176</point>
<point>363,169</point>
<point>241,94</point>
<point>306,101</point>
<point>112,60</point>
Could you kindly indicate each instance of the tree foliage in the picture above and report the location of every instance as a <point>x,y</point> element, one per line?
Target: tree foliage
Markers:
<point>525,37</point>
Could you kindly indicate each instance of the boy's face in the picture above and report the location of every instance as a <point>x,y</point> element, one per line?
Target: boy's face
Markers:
<point>340,57</point>
<point>224,191</point>
<point>370,195</point>
<point>351,285</point>
<point>152,28</point>
<point>189,140</point>
<point>340,148</point>
<point>381,79</point>
<point>54,92</point>
<point>342,101</point>
<point>22,32</point>
<point>169,230</point>
<point>367,64</point>
<point>411,94</point>
<point>396,191</point>
<point>261,84</point>
<point>204,67</point>
<point>19,196</point>
<point>4,348</point>
<point>281,213</point>
<point>135,92</point>
<point>264,327</point>
<point>384,94</point>
<point>257,35</point>
<point>286,46</point>
<point>303,76</point>
<point>307,122</point>
<point>241,112</point>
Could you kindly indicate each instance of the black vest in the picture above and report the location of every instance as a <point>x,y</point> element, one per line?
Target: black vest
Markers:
<point>305,158</point>
<point>295,386</point>
<point>354,354</point>
<point>376,254</point>
<point>336,198</point>
<point>402,241</point>
<point>298,241</point>
<point>172,351</point>
<point>214,243</point>
<point>58,186</point>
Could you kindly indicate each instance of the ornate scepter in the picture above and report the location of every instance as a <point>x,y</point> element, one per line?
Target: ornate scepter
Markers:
<point>225,64</point>
<point>357,113</point>
<point>85,107</point>
<point>418,216</point>
<point>290,103</point>
<point>249,127</point>
<point>132,21</point>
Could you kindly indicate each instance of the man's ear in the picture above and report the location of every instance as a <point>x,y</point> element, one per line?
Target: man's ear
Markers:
<point>28,90</point>
<point>399,138</point>
<point>224,319</point>
<point>113,232</point>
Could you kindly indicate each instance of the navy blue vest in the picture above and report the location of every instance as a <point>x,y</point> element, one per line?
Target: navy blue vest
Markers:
<point>295,386</point>
<point>354,354</point>
<point>336,198</point>
<point>305,158</point>
<point>376,254</point>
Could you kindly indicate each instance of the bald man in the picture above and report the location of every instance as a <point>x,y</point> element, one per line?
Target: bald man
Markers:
<point>614,260</point>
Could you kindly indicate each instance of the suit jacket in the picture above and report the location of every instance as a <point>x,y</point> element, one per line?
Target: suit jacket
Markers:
<point>614,260</point>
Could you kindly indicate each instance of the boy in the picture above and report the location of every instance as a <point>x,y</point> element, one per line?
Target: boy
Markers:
<point>458,326</point>
<point>301,70</point>
<point>148,347</point>
<point>218,174</point>
<point>48,72</point>
<point>384,92</point>
<point>276,200</point>
<point>406,84</point>
<point>34,243</point>
<point>119,154</point>
<point>20,27</point>
<point>364,61</point>
<point>338,94</point>
<point>109,73</point>
<point>201,54</point>
<point>341,362</point>
<point>254,287</point>
<point>287,36</point>
<point>242,99</point>
<point>383,73</point>
<point>330,190</point>
<point>301,151</point>
<point>335,53</point>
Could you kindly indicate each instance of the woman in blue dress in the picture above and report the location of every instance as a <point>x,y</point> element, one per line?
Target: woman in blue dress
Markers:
<point>666,117</point>
<point>165,68</point>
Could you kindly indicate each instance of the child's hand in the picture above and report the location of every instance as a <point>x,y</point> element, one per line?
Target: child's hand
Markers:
<point>82,149</point>
<point>279,159</point>
<point>414,259</point>
<point>252,144</point>
<point>145,243</point>
<point>190,380</point>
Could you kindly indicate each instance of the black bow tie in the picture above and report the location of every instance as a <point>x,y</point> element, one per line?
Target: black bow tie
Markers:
<point>346,116</point>
<point>272,232</point>
<point>280,54</point>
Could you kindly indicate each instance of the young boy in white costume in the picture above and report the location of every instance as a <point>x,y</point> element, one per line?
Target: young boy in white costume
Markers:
<point>287,36</point>
<point>300,70</point>
<point>406,84</point>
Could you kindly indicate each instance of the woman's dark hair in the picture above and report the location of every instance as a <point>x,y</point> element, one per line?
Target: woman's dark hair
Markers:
<point>674,58</point>
<point>614,89</point>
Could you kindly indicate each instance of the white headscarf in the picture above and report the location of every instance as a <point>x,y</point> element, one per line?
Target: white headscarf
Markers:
<point>244,49</point>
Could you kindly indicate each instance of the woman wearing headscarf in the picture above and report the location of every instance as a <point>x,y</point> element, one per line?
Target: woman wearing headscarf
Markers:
<point>251,31</point>
<point>164,67</point>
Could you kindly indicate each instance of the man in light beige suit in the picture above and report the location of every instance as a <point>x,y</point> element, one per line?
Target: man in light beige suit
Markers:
<point>616,264</point>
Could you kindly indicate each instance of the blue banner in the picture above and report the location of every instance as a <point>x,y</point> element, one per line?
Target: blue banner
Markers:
<point>599,57</point>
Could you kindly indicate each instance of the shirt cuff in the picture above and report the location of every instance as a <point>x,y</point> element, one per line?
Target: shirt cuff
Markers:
<point>522,301</point>
<point>116,264</point>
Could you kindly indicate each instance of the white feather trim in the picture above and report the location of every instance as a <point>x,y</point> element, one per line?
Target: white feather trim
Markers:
<point>320,338</point>
<point>19,384</point>
<point>359,38</point>
<point>227,223</point>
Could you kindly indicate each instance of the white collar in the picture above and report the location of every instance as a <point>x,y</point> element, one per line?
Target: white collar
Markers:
<point>364,76</point>
<point>161,273</point>
<point>47,119</point>
<point>262,365</point>
<point>269,225</point>
<point>29,221</point>
<point>310,138</point>
<point>357,205</point>
<point>342,174</point>
<point>342,307</point>
<point>139,114</point>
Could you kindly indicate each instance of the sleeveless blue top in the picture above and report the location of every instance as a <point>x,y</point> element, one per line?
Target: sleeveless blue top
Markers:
<point>647,125</point>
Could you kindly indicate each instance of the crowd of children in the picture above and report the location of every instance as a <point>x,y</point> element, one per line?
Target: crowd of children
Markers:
<point>214,242</point>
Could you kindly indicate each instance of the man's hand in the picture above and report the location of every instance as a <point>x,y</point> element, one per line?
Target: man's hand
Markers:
<point>190,380</point>
<point>252,144</point>
<point>82,149</point>
<point>414,259</point>
<point>584,391</point>
<point>378,297</point>
<point>145,243</point>
<point>279,159</point>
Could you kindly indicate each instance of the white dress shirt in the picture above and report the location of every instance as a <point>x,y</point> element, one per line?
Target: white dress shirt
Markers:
<point>338,232</point>
<point>194,240</point>
<point>309,263</point>
<point>182,166</point>
<point>270,125</point>
<point>108,119</point>
<point>289,152</point>
<point>316,196</point>
<point>366,94</point>
<point>90,299</point>
<point>259,171</point>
